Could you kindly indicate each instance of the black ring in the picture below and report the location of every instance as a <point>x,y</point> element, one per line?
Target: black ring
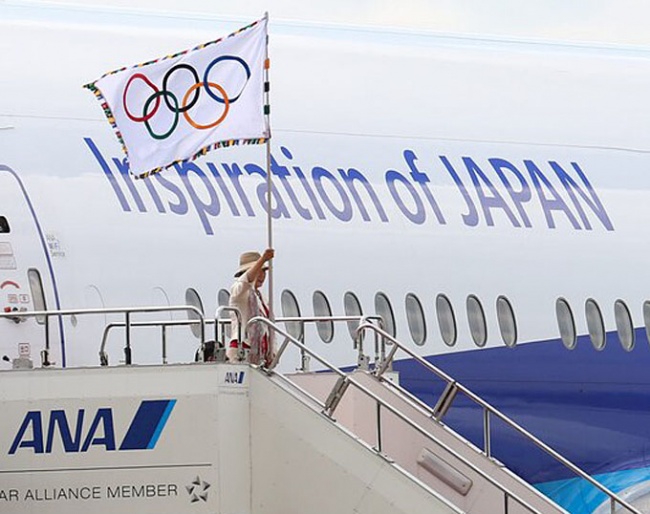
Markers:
<point>197,92</point>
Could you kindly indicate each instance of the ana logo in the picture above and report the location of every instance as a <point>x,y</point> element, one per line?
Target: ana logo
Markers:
<point>234,377</point>
<point>142,434</point>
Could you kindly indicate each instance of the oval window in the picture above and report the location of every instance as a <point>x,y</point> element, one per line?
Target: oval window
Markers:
<point>646,318</point>
<point>446,320</point>
<point>415,319</point>
<point>385,311</point>
<point>507,322</point>
<point>192,298</point>
<point>322,309</point>
<point>223,300</point>
<point>352,307</point>
<point>595,324</point>
<point>223,297</point>
<point>624,325</point>
<point>476,319</point>
<point>4,225</point>
<point>566,323</point>
<point>290,309</point>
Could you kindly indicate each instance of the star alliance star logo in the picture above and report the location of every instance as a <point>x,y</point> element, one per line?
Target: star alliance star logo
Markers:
<point>198,490</point>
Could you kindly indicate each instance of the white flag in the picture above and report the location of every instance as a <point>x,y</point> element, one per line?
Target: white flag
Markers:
<point>181,106</point>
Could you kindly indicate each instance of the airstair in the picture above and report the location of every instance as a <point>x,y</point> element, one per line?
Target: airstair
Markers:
<point>236,438</point>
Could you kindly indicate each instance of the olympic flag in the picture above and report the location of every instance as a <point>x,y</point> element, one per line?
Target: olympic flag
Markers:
<point>181,106</point>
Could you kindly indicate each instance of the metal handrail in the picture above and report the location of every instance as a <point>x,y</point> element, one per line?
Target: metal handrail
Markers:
<point>219,321</point>
<point>487,410</point>
<point>163,324</point>
<point>127,311</point>
<point>362,360</point>
<point>345,378</point>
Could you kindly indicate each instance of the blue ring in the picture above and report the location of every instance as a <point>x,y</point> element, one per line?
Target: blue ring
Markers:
<point>225,58</point>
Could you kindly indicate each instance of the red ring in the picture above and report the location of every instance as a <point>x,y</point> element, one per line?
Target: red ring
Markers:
<point>146,117</point>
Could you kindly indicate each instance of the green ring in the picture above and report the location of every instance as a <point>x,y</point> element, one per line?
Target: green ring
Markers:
<point>176,115</point>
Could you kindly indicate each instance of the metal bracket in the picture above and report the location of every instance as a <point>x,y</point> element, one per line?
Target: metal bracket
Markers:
<point>335,396</point>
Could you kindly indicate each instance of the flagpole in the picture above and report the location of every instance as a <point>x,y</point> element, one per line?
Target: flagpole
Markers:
<point>269,184</point>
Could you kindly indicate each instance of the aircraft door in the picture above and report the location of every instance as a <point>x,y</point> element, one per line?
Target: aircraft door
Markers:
<point>26,278</point>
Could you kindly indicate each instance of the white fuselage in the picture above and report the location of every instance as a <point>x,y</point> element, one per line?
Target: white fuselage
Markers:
<point>403,163</point>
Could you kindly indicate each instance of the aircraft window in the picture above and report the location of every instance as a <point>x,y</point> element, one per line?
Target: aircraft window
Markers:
<point>415,319</point>
<point>4,225</point>
<point>476,318</point>
<point>322,309</point>
<point>38,294</point>
<point>290,309</point>
<point>223,299</point>
<point>646,318</point>
<point>624,325</point>
<point>192,298</point>
<point>446,320</point>
<point>595,324</point>
<point>566,323</point>
<point>507,322</point>
<point>384,309</point>
<point>352,308</point>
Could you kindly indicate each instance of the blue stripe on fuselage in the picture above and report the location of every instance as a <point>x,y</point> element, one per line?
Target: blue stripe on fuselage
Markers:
<point>579,497</point>
<point>591,406</point>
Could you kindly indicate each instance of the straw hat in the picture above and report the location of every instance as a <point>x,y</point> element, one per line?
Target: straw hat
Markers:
<point>246,261</point>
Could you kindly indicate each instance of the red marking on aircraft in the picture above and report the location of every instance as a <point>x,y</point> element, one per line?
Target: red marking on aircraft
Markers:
<point>9,283</point>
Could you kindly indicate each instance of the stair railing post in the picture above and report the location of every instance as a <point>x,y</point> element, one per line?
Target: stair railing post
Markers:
<point>164,344</point>
<point>379,427</point>
<point>127,348</point>
<point>486,433</point>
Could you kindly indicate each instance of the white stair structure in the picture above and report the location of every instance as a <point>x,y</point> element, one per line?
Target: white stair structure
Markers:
<point>224,438</point>
<point>400,427</point>
<point>429,450</point>
<point>234,442</point>
<point>302,462</point>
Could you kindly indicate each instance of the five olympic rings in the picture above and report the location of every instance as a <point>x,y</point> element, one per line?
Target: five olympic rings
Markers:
<point>214,90</point>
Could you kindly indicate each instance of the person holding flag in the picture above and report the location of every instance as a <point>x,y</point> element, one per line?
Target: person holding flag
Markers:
<point>246,297</point>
